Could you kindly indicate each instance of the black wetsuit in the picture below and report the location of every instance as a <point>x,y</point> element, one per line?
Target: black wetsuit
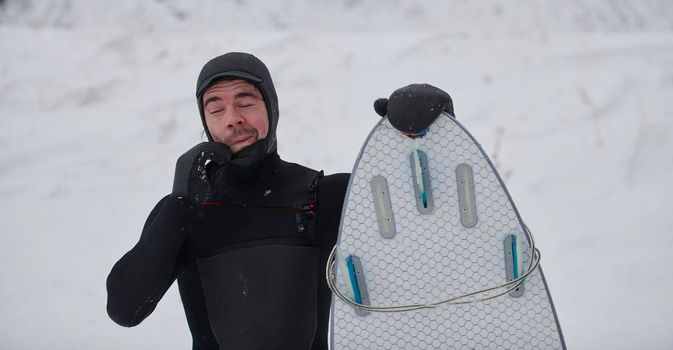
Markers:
<point>249,263</point>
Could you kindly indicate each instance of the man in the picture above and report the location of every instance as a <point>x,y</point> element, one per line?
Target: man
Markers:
<point>248,252</point>
<point>246,234</point>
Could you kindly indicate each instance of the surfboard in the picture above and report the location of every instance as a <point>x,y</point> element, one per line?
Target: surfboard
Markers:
<point>432,252</point>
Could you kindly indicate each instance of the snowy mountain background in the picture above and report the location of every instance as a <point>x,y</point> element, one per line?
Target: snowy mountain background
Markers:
<point>572,99</point>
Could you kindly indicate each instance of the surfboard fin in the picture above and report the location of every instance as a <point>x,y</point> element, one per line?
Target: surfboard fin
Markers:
<point>466,197</point>
<point>384,210</point>
<point>513,262</point>
<point>358,285</point>
<point>421,176</point>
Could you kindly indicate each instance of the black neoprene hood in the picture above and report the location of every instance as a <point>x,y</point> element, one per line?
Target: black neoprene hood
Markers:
<point>239,65</point>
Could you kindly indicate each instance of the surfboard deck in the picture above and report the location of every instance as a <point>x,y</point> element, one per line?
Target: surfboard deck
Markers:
<point>427,219</point>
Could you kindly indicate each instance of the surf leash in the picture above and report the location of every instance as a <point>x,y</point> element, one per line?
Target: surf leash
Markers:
<point>467,298</point>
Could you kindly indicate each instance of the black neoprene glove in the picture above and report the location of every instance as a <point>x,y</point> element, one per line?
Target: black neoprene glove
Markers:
<point>194,170</point>
<point>414,107</point>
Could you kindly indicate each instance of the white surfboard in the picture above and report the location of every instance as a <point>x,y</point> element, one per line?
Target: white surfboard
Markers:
<point>426,222</point>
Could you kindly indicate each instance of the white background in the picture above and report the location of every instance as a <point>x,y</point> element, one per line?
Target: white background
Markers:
<point>573,100</point>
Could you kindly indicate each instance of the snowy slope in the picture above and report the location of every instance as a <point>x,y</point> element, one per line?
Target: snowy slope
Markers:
<point>572,100</point>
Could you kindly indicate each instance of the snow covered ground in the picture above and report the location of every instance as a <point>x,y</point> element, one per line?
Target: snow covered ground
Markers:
<point>573,100</point>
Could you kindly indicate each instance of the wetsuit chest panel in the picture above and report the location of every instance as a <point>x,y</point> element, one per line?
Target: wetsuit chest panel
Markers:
<point>222,226</point>
<point>275,207</point>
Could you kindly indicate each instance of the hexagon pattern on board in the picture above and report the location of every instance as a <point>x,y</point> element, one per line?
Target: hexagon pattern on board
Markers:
<point>434,257</point>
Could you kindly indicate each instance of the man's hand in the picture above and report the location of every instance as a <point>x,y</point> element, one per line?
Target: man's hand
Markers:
<point>193,170</point>
<point>411,109</point>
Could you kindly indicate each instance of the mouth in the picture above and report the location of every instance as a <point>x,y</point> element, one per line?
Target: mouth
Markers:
<point>243,139</point>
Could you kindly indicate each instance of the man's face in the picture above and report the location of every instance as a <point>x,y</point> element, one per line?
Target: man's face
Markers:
<point>235,114</point>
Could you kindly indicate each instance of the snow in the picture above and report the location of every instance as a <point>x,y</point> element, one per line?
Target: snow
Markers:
<point>572,99</point>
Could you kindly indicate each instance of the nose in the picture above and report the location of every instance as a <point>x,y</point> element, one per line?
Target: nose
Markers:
<point>233,119</point>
